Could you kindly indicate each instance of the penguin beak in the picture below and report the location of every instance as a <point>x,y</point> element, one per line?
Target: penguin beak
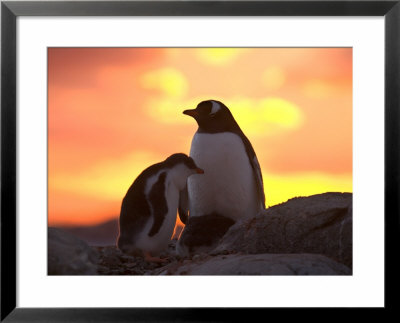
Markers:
<point>193,113</point>
<point>199,171</point>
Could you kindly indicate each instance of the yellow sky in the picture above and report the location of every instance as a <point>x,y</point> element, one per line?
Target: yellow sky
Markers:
<point>115,111</point>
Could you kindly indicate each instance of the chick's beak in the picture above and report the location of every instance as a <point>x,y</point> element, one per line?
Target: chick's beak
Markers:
<point>193,113</point>
<point>199,171</point>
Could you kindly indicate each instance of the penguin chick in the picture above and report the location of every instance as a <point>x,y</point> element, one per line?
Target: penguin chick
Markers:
<point>232,185</point>
<point>149,208</point>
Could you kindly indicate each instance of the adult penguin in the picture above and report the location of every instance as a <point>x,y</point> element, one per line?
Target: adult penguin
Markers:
<point>232,185</point>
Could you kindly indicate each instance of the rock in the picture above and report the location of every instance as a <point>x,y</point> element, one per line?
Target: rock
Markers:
<point>319,224</point>
<point>103,234</point>
<point>196,257</point>
<point>127,259</point>
<point>68,255</point>
<point>260,264</point>
<point>112,256</point>
<point>304,236</point>
<point>113,262</point>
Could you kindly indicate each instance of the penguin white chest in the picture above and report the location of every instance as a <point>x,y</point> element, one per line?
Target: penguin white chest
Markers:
<point>227,186</point>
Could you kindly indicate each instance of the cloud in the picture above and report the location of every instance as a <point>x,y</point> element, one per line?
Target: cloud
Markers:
<point>168,80</point>
<point>169,110</point>
<point>218,56</point>
<point>318,89</point>
<point>255,117</point>
<point>266,116</point>
<point>273,78</point>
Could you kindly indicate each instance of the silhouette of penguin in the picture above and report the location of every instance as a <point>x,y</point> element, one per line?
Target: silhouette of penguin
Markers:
<point>149,208</point>
<point>232,186</point>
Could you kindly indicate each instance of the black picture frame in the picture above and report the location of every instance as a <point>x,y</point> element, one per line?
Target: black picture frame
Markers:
<point>11,10</point>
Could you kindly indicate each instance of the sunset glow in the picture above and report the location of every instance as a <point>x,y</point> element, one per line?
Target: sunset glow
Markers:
<point>112,112</point>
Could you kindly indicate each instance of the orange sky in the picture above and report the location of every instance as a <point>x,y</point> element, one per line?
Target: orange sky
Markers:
<point>114,111</point>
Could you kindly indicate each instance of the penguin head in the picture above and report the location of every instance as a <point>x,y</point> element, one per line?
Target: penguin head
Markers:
<point>213,116</point>
<point>181,167</point>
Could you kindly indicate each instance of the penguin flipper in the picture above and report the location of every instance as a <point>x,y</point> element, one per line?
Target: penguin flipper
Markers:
<point>159,203</point>
<point>131,221</point>
<point>255,165</point>
<point>259,180</point>
<point>183,208</point>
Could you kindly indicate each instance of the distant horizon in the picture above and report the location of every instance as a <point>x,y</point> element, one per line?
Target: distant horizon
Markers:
<point>112,112</point>
<point>115,218</point>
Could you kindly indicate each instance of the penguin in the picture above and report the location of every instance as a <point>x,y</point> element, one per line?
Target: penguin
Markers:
<point>232,186</point>
<point>149,208</point>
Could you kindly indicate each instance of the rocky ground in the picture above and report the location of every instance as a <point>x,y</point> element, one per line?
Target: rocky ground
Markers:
<point>304,236</point>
